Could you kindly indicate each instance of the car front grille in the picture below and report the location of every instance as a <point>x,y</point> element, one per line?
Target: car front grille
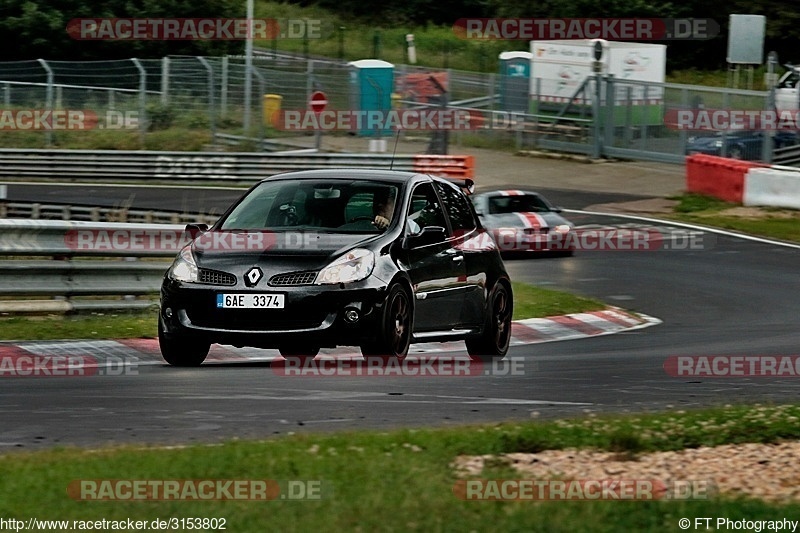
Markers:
<point>215,277</point>
<point>293,278</point>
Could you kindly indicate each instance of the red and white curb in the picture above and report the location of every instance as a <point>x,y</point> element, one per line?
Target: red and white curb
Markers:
<point>146,352</point>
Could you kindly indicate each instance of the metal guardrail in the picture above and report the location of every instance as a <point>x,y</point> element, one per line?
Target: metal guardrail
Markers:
<point>152,165</point>
<point>65,260</point>
<point>39,211</point>
<point>788,155</point>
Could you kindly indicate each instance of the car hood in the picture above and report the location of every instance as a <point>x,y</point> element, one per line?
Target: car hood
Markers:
<point>547,219</point>
<point>274,252</point>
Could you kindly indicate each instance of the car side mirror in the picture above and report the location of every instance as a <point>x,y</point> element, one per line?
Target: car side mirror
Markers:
<point>195,229</point>
<point>428,235</point>
<point>558,209</point>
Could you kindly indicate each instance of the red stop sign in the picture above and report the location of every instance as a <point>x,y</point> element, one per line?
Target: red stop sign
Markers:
<point>318,101</point>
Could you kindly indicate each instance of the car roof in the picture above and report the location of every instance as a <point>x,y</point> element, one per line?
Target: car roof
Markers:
<point>389,176</point>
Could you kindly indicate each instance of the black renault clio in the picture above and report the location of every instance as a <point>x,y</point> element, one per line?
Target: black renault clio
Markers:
<point>312,259</point>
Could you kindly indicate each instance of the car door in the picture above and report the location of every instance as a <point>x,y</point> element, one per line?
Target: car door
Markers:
<point>472,244</point>
<point>436,269</point>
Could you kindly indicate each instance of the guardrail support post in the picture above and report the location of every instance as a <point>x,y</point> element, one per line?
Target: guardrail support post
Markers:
<point>142,99</point>
<point>48,97</point>
<point>223,91</point>
<point>596,142</point>
<point>211,110</point>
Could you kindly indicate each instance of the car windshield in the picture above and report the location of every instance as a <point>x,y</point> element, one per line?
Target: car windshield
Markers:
<point>324,205</point>
<point>525,203</point>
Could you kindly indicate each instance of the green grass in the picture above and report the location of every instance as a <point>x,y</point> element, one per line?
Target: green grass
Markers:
<point>709,211</point>
<point>398,480</point>
<point>535,302</point>
<point>90,326</point>
<point>530,302</point>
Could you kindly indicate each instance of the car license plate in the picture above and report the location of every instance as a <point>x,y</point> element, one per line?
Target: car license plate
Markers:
<point>251,301</point>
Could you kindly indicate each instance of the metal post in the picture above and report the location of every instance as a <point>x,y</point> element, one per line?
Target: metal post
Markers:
<point>212,115</point>
<point>682,135</point>
<point>645,134</point>
<point>537,83</point>
<point>628,135</point>
<point>164,80</point>
<point>261,90</point>
<point>726,103</point>
<point>48,96</point>
<point>223,94</point>
<point>596,143</point>
<point>111,99</point>
<point>142,99</point>
<point>610,122</point>
<point>7,94</point>
<point>248,67</point>
<point>767,147</point>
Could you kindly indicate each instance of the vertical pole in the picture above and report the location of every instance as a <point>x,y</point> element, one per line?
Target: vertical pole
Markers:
<point>48,97</point>
<point>609,127</point>
<point>768,147</point>
<point>596,148</point>
<point>211,111</point>
<point>142,100</point>
<point>261,90</point>
<point>164,80</point>
<point>248,67</point>
<point>684,105</point>
<point>223,90</point>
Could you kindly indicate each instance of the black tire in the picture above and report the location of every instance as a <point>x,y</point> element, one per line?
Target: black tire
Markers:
<point>183,350</point>
<point>300,352</point>
<point>496,335</point>
<point>394,336</point>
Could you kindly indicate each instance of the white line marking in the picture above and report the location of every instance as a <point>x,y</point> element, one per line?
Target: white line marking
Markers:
<point>718,231</point>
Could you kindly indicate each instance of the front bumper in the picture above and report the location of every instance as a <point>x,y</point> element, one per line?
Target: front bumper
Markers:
<point>313,314</point>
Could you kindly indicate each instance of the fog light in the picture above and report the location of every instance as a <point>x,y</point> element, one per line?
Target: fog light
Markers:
<point>351,315</point>
<point>168,312</point>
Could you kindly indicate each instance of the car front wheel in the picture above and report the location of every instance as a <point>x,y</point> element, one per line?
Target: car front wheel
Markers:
<point>496,336</point>
<point>394,336</point>
<point>182,350</point>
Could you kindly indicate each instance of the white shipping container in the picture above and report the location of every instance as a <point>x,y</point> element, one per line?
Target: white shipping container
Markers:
<point>563,66</point>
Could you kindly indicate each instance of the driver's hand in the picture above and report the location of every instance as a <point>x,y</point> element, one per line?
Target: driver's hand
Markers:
<point>381,222</point>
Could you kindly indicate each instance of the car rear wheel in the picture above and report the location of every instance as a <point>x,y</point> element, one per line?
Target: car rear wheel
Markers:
<point>394,336</point>
<point>182,350</point>
<point>496,336</point>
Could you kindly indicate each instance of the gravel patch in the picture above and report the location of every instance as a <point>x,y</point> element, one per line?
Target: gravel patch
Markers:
<point>766,471</point>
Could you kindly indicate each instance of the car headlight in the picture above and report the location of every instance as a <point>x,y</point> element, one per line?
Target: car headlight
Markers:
<point>718,143</point>
<point>184,268</point>
<point>562,228</point>
<point>355,265</point>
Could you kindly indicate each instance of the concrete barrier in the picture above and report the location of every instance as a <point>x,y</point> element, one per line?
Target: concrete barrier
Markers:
<point>772,187</point>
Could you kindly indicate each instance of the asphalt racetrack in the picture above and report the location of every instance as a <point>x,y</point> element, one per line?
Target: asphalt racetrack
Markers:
<point>730,297</point>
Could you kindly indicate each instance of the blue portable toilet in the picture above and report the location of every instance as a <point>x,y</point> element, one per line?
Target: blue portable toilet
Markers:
<point>371,86</point>
<point>515,74</point>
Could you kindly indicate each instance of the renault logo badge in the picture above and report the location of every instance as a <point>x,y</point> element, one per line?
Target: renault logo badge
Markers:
<point>253,276</point>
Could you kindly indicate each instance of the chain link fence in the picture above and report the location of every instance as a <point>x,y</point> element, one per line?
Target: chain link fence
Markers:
<point>622,118</point>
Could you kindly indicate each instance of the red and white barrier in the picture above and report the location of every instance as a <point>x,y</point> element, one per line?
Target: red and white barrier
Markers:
<point>717,176</point>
